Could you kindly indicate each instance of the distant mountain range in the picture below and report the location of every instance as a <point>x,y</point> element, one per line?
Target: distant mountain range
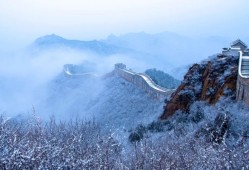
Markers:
<point>171,47</point>
<point>54,41</point>
<point>165,51</point>
<point>112,102</point>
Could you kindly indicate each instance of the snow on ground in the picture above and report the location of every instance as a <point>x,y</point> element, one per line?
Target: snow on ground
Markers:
<point>123,105</point>
<point>112,102</point>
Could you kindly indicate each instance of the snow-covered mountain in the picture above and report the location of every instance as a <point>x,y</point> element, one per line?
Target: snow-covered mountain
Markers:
<point>52,42</point>
<point>195,132</point>
<point>164,51</point>
<point>170,47</point>
<point>97,50</point>
<point>111,101</point>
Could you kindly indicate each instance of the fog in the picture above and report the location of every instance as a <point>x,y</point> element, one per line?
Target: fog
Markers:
<point>32,76</point>
<point>23,21</point>
<point>23,77</point>
<point>27,79</point>
<point>26,76</point>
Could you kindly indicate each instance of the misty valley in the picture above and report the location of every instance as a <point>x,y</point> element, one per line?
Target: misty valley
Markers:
<point>134,101</point>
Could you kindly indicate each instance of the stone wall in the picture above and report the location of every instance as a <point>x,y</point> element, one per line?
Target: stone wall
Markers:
<point>141,80</point>
<point>138,79</point>
<point>242,92</point>
<point>68,73</point>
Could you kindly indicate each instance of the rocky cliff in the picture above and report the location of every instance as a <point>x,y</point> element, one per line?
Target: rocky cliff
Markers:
<point>207,81</point>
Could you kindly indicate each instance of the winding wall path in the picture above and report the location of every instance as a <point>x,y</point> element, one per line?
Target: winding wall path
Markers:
<point>141,80</point>
<point>68,73</point>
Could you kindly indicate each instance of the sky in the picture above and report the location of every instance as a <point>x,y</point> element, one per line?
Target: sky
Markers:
<point>22,21</point>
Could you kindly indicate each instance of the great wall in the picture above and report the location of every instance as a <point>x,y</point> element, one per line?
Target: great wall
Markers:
<point>140,80</point>
<point>67,70</point>
<point>143,81</point>
<point>239,48</point>
<point>242,92</point>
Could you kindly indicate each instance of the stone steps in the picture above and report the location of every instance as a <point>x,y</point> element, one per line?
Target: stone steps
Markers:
<point>244,66</point>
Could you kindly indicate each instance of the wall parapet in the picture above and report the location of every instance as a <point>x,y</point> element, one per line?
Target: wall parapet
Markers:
<point>242,90</point>
<point>239,48</point>
<point>242,87</point>
<point>68,73</point>
<point>143,81</point>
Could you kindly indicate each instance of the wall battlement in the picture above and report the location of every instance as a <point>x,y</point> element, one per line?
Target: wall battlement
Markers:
<point>68,73</point>
<point>242,87</point>
<point>242,90</point>
<point>142,81</point>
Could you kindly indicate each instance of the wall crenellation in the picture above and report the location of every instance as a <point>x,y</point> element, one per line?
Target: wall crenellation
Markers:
<point>142,81</point>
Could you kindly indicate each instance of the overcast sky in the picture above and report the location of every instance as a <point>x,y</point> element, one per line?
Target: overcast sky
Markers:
<point>25,20</point>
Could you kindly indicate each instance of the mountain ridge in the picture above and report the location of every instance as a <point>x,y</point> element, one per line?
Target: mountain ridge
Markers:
<point>55,41</point>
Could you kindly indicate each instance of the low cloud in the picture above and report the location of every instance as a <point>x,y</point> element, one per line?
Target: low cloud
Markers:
<point>24,77</point>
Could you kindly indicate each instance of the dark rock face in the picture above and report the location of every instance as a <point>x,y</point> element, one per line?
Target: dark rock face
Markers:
<point>207,81</point>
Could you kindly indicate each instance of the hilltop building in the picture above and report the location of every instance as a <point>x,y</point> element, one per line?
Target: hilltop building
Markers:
<point>235,48</point>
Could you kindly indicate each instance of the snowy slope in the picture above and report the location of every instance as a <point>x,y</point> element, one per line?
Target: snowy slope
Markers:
<point>124,105</point>
<point>112,102</point>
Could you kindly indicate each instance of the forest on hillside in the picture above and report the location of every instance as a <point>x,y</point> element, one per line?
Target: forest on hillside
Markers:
<point>162,79</point>
<point>205,138</point>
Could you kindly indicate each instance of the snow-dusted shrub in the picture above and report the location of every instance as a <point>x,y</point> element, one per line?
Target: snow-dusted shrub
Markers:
<point>168,125</point>
<point>141,129</point>
<point>220,127</point>
<point>135,136</point>
<point>153,127</point>
<point>220,140</point>
<point>187,153</point>
<point>196,114</point>
<point>31,144</point>
<point>156,126</point>
<point>138,133</point>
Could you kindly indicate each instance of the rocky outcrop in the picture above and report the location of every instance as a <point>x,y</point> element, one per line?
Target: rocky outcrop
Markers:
<point>207,81</point>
